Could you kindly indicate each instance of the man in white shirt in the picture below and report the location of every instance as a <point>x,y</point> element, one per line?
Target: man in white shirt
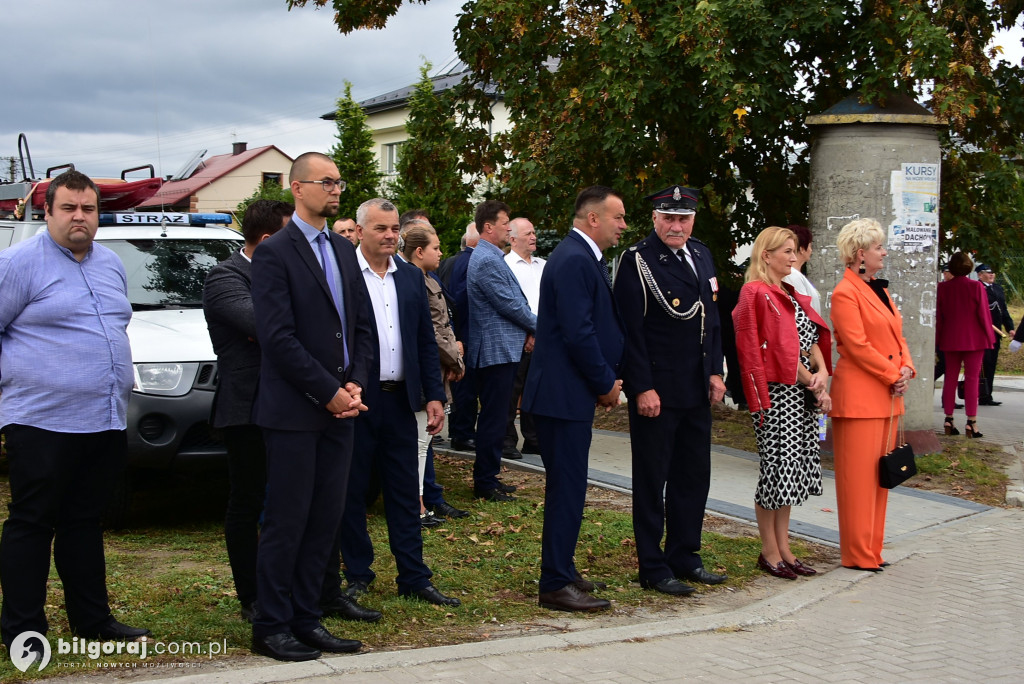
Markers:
<point>527,270</point>
<point>408,379</point>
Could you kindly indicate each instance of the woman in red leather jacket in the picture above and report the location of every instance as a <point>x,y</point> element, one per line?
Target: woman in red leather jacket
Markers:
<point>780,339</point>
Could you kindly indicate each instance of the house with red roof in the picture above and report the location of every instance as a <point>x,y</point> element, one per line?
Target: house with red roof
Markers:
<point>219,183</point>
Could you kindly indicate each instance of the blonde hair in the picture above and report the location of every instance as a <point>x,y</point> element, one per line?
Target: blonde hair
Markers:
<point>858,234</point>
<point>768,240</point>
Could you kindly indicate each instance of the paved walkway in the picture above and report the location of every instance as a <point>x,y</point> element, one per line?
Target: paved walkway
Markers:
<point>948,609</point>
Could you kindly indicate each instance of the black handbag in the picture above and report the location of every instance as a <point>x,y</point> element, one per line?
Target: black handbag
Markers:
<point>897,466</point>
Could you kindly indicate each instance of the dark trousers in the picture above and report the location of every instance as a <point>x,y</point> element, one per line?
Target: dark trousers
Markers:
<point>307,477</point>
<point>495,385</point>
<point>988,370</point>
<point>385,438</point>
<point>565,450</point>
<point>433,493</point>
<point>58,489</point>
<point>526,423</point>
<point>462,420</point>
<point>671,454</point>
<point>247,473</point>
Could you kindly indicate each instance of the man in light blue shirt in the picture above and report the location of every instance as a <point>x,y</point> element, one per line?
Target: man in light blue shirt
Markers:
<point>65,377</point>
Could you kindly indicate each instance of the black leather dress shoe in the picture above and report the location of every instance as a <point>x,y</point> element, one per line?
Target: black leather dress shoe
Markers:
<point>492,495</point>
<point>571,598</point>
<point>283,646</point>
<point>321,639</point>
<point>467,445</point>
<point>587,585</point>
<point>857,567</point>
<point>511,454</point>
<point>989,402</point>
<point>669,585</point>
<point>507,488</point>
<point>703,576</point>
<point>355,589</point>
<point>430,594</point>
<point>428,520</point>
<point>529,448</point>
<point>348,608</point>
<point>446,510</point>
<point>112,630</point>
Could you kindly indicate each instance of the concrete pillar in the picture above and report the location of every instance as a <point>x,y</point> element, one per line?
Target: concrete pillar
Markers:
<point>857,151</point>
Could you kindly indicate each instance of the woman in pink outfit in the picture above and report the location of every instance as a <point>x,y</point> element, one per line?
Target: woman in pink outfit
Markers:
<point>963,333</point>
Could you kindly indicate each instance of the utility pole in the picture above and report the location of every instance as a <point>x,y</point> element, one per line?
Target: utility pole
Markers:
<point>11,166</point>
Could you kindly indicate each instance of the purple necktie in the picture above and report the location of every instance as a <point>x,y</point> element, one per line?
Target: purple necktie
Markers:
<point>325,259</point>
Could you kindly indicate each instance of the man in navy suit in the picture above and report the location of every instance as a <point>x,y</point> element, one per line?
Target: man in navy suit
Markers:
<point>672,373</point>
<point>313,328</point>
<point>227,305</point>
<point>462,421</point>
<point>580,340</point>
<point>406,374</point>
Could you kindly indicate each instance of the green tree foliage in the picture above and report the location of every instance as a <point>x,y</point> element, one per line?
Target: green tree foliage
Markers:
<point>429,170</point>
<point>354,155</point>
<point>640,94</point>
<point>269,190</point>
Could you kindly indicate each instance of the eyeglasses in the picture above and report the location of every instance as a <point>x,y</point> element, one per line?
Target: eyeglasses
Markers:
<point>328,184</point>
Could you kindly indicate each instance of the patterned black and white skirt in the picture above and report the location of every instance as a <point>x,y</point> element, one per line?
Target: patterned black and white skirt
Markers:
<point>787,443</point>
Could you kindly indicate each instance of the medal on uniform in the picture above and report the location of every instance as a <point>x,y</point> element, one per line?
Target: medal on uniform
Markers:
<point>675,302</point>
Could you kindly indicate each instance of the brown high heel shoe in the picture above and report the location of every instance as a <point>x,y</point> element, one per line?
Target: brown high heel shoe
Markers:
<point>972,431</point>
<point>780,570</point>
<point>799,568</point>
<point>948,427</point>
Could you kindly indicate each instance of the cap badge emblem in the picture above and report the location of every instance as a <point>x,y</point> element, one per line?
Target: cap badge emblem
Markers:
<point>676,195</point>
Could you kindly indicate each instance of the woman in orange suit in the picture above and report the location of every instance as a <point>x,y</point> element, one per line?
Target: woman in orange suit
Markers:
<point>868,385</point>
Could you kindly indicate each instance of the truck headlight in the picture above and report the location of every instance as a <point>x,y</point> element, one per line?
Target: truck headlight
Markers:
<point>168,379</point>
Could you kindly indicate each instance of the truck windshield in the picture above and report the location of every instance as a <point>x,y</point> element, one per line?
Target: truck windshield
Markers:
<point>169,273</point>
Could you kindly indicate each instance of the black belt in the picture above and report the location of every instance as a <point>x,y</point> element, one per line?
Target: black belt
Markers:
<point>392,385</point>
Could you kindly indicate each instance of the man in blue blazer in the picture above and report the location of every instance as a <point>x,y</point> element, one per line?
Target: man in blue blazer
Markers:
<point>501,326</point>
<point>313,328</point>
<point>462,421</point>
<point>406,374</point>
<point>227,305</point>
<point>580,340</point>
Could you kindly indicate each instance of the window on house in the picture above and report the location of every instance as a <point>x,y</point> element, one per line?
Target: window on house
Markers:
<point>272,177</point>
<point>389,158</point>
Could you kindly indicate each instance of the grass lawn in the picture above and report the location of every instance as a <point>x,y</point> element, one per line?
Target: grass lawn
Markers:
<point>169,572</point>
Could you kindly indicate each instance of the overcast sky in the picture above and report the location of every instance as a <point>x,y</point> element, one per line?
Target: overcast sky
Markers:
<point>111,84</point>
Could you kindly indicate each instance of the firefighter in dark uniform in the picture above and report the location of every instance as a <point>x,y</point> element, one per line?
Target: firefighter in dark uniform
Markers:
<point>666,291</point>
